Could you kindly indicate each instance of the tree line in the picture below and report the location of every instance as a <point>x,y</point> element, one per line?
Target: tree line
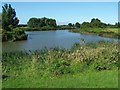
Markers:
<point>94,23</point>
<point>41,22</point>
<point>10,21</point>
<point>11,29</point>
<point>0,21</point>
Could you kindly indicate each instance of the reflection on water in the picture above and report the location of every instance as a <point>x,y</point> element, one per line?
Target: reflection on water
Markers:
<point>38,40</point>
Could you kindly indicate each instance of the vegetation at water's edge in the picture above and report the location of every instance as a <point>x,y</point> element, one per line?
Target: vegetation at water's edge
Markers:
<point>0,21</point>
<point>13,31</point>
<point>105,32</point>
<point>90,65</point>
<point>10,31</point>
<point>99,28</point>
<point>93,27</point>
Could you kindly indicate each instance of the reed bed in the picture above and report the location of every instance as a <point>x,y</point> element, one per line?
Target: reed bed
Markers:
<point>54,62</point>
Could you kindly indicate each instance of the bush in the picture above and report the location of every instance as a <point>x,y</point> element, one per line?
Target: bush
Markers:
<point>55,62</point>
<point>14,35</point>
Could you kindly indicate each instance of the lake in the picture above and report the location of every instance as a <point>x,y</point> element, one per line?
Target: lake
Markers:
<point>38,40</point>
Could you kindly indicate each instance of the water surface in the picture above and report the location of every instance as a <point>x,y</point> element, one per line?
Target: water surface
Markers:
<point>38,40</point>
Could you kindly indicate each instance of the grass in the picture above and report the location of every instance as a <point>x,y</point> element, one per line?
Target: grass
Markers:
<point>93,65</point>
<point>114,30</point>
<point>106,32</point>
<point>103,79</point>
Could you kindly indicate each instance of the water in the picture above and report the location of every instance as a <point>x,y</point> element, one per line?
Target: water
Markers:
<point>38,40</point>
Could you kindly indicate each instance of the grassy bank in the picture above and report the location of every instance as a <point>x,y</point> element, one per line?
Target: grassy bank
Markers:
<point>105,32</point>
<point>46,28</point>
<point>103,79</point>
<point>90,65</point>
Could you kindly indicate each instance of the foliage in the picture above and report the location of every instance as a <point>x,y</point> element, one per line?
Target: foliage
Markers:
<point>0,21</point>
<point>95,23</point>
<point>16,34</point>
<point>9,25</point>
<point>70,24</point>
<point>9,19</point>
<point>41,22</point>
<point>77,25</point>
<point>58,61</point>
<point>85,25</point>
<point>63,27</point>
<point>22,25</point>
<point>55,63</point>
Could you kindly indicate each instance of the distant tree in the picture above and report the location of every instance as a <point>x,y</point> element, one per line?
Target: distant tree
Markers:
<point>52,22</point>
<point>41,22</point>
<point>32,22</point>
<point>0,17</point>
<point>117,25</point>
<point>103,25</point>
<point>0,20</point>
<point>85,25</point>
<point>95,22</point>
<point>70,24</point>
<point>77,25</point>
<point>9,19</point>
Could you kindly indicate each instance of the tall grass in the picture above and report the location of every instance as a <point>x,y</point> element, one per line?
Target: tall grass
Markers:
<point>105,32</point>
<point>56,62</point>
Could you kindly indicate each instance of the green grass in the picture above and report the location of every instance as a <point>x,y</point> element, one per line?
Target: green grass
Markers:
<point>91,79</point>
<point>106,32</point>
<point>93,65</point>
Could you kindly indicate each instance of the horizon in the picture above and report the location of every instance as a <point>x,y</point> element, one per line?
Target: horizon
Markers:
<point>67,12</point>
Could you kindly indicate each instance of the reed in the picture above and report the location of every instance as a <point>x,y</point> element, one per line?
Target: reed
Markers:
<point>94,57</point>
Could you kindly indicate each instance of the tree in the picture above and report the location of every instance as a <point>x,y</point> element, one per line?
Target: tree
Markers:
<point>70,24</point>
<point>0,21</point>
<point>85,25</point>
<point>41,22</point>
<point>33,22</point>
<point>9,19</point>
<point>96,22</point>
<point>117,25</point>
<point>77,25</point>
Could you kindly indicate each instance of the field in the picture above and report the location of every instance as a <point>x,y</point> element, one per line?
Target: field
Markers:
<point>105,32</point>
<point>92,65</point>
<point>102,79</point>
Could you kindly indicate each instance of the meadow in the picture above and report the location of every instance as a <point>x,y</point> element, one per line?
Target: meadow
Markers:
<point>92,65</point>
<point>104,32</point>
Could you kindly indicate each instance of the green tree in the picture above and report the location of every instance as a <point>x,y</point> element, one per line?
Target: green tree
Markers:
<point>117,25</point>
<point>96,22</point>
<point>85,25</point>
<point>9,19</point>
<point>41,22</point>
<point>77,25</point>
<point>70,24</point>
<point>33,22</point>
<point>0,21</point>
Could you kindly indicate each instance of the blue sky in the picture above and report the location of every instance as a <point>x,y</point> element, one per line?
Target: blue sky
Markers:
<point>65,12</point>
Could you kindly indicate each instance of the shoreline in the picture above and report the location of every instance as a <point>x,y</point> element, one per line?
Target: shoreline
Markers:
<point>56,64</point>
<point>103,33</point>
